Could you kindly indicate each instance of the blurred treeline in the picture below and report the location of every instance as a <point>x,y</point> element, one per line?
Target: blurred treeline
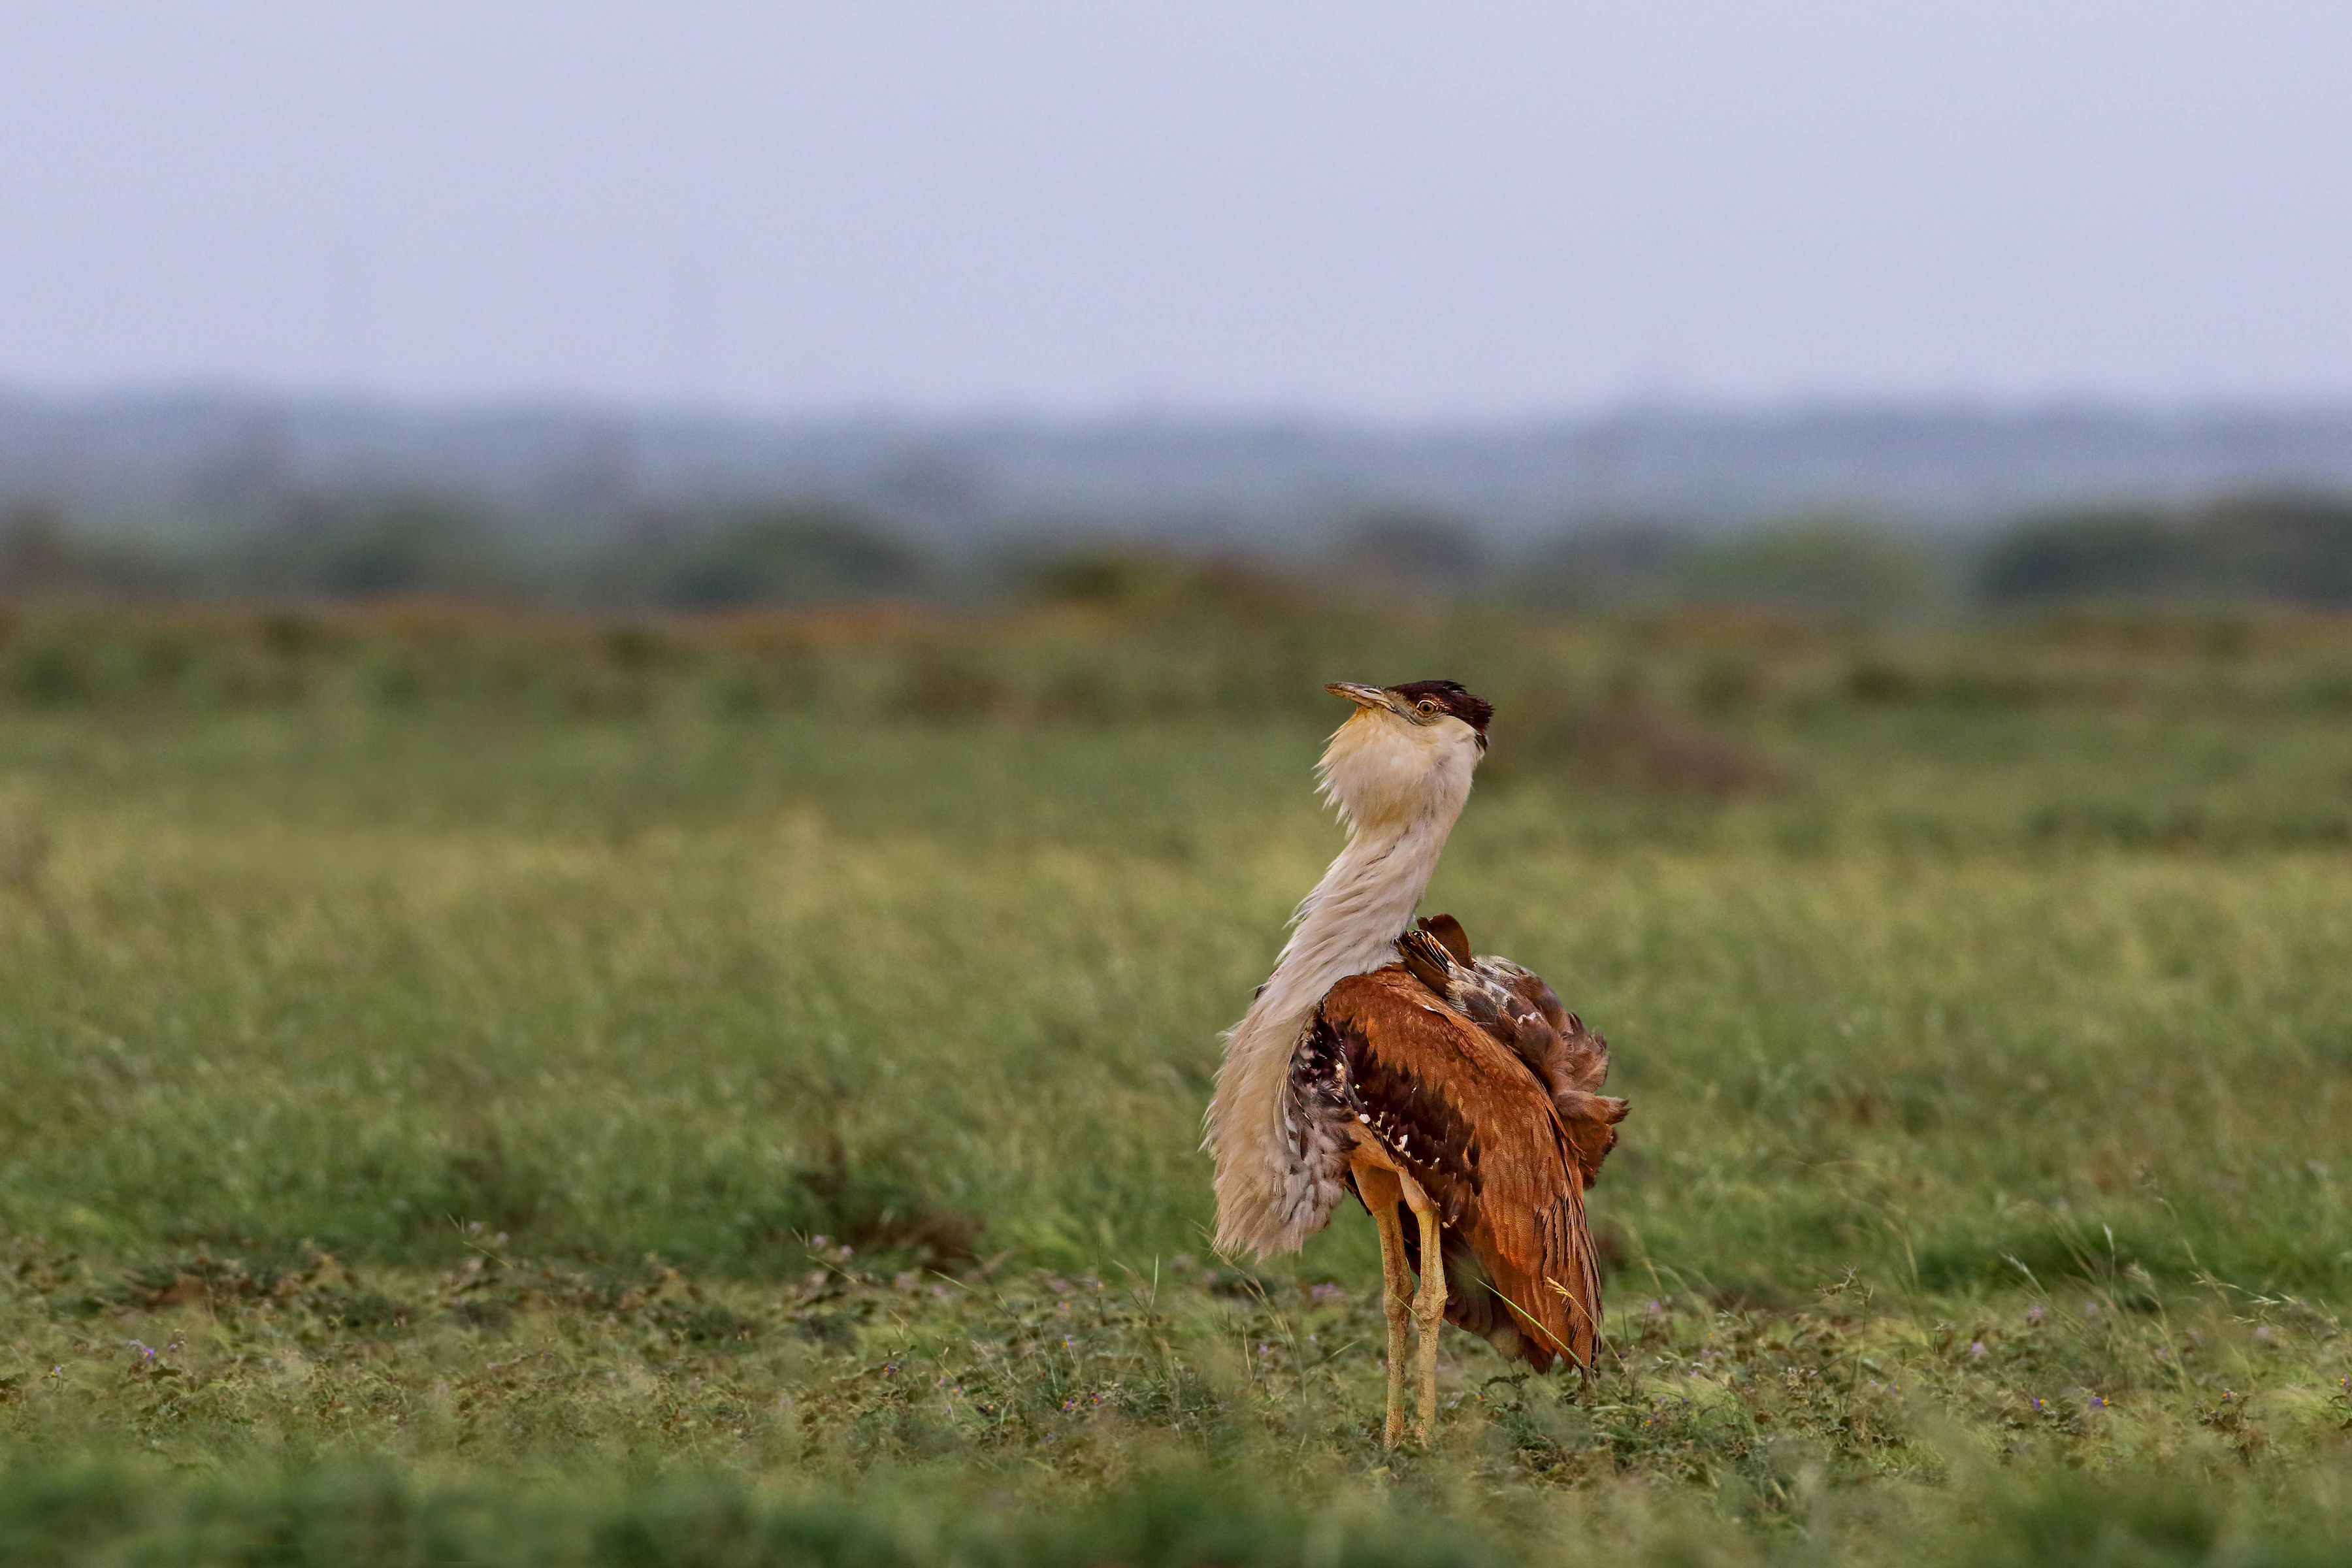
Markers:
<point>2282,547</point>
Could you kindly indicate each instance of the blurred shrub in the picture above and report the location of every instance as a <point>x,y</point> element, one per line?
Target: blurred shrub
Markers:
<point>1161,585</point>
<point>1117,576</point>
<point>941,680</point>
<point>42,555</point>
<point>1408,554</point>
<point>1622,737</point>
<point>1835,566</point>
<point>35,552</point>
<point>2285,546</point>
<point>2281,547</point>
<point>1844,568</point>
<point>788,554</point>
<point>379,546</point>
<point>2106,553</point>
<point>1620,566</point>
<point>48,672</point>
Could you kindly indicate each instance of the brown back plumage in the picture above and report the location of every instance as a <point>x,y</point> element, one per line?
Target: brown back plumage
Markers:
<point>1517,1008</point>
<point>1464,1115</point>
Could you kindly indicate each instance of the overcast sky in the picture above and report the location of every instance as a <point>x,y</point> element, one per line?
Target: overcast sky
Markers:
<point>1408,211</point>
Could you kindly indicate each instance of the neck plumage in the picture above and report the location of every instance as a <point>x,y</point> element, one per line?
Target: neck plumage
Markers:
<point>1348,925</point>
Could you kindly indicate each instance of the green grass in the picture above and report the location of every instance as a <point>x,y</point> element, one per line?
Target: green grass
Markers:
<point>512,1091</point>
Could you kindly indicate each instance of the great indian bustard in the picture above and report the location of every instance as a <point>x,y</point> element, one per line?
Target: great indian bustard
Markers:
<point>1454,1095</point>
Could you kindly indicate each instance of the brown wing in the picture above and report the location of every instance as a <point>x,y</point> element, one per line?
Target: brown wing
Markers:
<point>1517,1007</point>
<point>1459,1110</point>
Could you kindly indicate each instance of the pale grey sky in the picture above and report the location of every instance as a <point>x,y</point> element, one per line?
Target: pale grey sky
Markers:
<point>1414,211</point>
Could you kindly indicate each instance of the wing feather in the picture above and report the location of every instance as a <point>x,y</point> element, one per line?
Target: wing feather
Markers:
<point>1517,1008</point>
<point>1462,1113</point>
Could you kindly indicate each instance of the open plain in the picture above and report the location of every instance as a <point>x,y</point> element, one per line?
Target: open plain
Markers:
<point>506,1090</point>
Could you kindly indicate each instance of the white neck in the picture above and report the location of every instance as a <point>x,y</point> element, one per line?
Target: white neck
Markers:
<point>1348,925</point>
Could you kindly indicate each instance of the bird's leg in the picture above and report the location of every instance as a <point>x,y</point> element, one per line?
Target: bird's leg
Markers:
<point>1429,1306</point>
<point>1382,1195</point>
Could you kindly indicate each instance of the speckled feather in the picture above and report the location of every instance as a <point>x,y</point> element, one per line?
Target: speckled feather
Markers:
<point>1517,1008</point>
<point>1458,1109</point>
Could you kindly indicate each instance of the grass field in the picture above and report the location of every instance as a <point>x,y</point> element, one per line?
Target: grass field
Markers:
<point>482,1089</point>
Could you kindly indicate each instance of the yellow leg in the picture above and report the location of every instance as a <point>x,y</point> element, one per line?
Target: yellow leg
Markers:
<point>1429,1306</point>
<point>1382,1195</point>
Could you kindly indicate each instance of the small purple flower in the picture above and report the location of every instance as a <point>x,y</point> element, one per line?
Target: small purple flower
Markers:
<point>2097,1403</point>
<point>1324,1292</point>
<point>2035,1313</point>
<point>1976,1348</point>
<point>2263,1334</point>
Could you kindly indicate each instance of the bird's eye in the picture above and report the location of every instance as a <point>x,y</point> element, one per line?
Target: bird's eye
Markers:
<point>1427,707</point>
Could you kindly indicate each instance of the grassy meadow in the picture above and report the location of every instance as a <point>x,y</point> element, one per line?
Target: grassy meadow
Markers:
<point>476,1088</point>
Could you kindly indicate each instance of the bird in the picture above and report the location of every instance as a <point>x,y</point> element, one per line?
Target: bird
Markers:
<point>1453,1094</point>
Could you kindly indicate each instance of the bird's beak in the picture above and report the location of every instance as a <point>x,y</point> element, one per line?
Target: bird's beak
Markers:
<point>1361,696</point>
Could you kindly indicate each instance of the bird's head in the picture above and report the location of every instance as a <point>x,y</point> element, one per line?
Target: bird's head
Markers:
<point>1405,751</point>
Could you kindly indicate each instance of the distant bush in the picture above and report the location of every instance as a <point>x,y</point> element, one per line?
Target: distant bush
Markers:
<point>41,553</point>
<point>791,554</point>
<point>1615,566</point>
<point>1163,585</point>
<point>1410,555</point>
<point>1842,567</point>
<point>1114,576</point>
<point>2089,553</point>
<point>2287,547</point>
<point>35,551</point>
<point>378,546</point>
<point>1832,566</point>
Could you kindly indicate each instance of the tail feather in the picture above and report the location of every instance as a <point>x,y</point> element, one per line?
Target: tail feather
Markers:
<point>1556,1304</point>
<point>1537,1315</point>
